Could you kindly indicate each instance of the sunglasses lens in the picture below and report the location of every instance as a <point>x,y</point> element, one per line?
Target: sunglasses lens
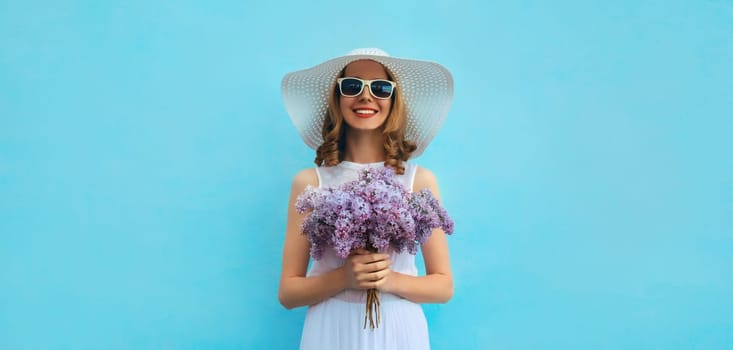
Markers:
<point>350,87</point>
<point>381,89</point>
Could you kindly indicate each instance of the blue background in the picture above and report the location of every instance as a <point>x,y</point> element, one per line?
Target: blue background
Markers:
<point>146,160</point>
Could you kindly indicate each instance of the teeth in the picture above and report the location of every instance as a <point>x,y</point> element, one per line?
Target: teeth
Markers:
<point>364,111</point>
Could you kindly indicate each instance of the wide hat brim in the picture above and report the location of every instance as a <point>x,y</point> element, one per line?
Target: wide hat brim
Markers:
<point>426,87</point>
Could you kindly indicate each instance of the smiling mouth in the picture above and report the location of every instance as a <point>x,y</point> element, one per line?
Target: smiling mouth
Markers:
<point>364,113</point>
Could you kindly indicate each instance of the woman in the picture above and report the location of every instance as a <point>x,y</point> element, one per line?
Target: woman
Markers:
<point>365,109</point>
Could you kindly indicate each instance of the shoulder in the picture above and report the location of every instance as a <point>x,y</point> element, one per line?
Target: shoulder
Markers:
<point>424,178</point>
<point>304,178</point>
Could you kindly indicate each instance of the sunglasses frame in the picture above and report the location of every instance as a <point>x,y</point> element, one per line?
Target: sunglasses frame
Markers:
<point>365,82</point>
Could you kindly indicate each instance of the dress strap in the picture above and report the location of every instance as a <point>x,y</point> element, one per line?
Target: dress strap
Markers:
<point>318,174</point>
<point>410,171</point>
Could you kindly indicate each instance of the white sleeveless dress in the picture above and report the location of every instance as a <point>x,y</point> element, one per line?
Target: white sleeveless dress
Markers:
<point>338,322</point>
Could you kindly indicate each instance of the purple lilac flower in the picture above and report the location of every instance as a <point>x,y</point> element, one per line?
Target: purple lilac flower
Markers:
<point>373,211</point>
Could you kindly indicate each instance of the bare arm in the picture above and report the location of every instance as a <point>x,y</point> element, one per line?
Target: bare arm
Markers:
<point>295,288</point>
<point>437,284</point>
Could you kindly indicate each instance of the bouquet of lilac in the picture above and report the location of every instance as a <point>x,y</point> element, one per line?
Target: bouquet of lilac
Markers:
<point>374,212</point>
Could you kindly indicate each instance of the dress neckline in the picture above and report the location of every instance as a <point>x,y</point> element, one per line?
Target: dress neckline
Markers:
<point>353,165</point>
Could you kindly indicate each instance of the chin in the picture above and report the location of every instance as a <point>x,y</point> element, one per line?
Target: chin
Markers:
<point>364,126</point>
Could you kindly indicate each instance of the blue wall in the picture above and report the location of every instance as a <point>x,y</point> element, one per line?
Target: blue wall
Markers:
<point>146,159</point>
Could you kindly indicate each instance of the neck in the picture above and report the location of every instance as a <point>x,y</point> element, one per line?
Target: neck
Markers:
<point>364,146</point>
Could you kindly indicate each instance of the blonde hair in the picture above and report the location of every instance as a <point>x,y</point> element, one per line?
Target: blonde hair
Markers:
<point>396,148</point>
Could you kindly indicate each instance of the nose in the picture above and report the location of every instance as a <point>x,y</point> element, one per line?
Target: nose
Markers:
<point>366,93</point>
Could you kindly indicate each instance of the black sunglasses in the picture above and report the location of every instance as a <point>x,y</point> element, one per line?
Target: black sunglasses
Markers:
<point>379,88</point>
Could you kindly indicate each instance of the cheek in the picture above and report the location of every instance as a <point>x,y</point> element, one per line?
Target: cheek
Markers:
<point>342,106</point>
<point>385,105</point>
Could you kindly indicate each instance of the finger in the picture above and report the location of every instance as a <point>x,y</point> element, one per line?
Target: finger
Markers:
<point>380,256</point>
<point>370,258</point>
<point>361,270</point>
<point>361,260</point>
<point>376,276</point>
<point>380,279</point>
<point>365,278</point>
<point>379,265</point>
<point>380,275</point>
<point>373,276</point>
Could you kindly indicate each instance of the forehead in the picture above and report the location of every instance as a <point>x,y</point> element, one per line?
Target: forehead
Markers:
<point>366,69</point>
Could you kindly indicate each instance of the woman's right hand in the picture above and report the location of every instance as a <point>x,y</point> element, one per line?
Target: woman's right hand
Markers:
<point>366,270</point>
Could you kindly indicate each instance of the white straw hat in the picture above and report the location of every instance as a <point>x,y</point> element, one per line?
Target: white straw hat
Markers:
<point>426,87</point>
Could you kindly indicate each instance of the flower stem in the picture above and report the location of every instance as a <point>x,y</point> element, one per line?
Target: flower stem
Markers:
<point>372,302</point>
